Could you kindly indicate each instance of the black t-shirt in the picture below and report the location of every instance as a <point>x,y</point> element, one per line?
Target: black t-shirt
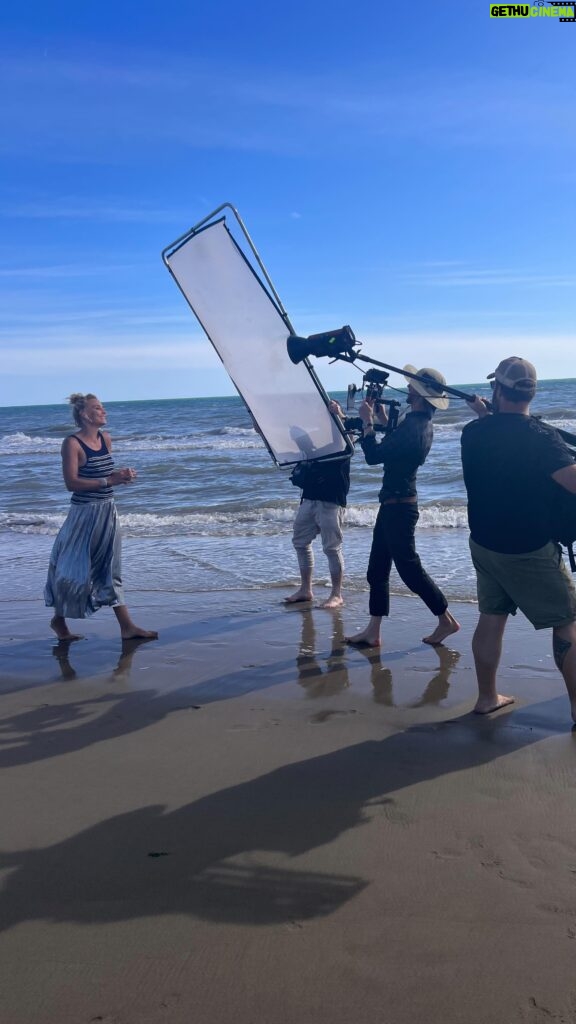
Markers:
<point>402,452</point>
<point>508,460</point>
<point>328,481</point>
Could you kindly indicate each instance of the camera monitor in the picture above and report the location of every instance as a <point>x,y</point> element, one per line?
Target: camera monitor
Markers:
<point>232,296</point>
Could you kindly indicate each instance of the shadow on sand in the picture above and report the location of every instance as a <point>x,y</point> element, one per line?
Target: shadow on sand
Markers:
<point>209,858</point>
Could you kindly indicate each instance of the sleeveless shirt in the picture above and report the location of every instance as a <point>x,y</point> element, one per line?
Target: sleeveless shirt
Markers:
<point>98,464</point>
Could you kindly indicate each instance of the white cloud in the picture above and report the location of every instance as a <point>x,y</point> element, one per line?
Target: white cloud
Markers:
<point>68,208</point>
<point>483,278</point>
<point>460,355</point>
<point>65,270</point>
<point>471,355</point>
<point>89,352</point>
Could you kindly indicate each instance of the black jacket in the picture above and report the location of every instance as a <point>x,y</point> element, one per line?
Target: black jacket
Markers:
<point>402,452</point>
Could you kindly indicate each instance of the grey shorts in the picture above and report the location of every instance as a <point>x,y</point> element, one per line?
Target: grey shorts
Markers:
<point>318,517</point>
<point>536,582</point>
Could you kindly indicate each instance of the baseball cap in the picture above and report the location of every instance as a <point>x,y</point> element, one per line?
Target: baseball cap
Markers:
<point>515,373</point>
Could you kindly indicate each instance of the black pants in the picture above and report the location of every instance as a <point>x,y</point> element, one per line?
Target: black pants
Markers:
<point>393,541</point>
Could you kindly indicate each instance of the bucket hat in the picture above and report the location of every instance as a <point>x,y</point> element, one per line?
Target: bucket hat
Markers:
<point>434,392</point>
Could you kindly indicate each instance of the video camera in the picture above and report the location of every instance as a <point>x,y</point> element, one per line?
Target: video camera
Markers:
<point>373,384</point>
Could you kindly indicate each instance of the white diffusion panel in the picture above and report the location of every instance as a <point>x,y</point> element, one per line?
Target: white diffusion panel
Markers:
<point>250,335</point>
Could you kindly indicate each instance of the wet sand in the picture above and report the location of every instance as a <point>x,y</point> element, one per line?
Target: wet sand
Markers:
<point>249,821</point>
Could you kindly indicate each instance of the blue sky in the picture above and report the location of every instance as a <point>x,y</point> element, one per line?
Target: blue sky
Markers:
<point>406,169</point>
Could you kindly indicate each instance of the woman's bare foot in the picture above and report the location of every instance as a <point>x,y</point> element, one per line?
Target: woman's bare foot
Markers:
<point>447,625</point>
<point>300,596</point>
<point>334,601</point>
<point>128,630</point>
<point>367,638</point>
<point>136,633</point>
<point>60,627</point>
<point>485,705</point>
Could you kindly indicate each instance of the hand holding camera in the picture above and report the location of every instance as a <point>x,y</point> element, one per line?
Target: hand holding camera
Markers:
<point>366,412</point>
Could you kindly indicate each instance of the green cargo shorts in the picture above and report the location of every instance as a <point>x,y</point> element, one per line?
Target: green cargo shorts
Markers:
<point>536,582</point>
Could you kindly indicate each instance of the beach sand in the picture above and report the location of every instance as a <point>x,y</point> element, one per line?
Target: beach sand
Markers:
<point>246,821</point>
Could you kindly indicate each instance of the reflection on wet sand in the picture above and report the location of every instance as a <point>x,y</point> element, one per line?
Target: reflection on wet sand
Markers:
<point>61,652</point>
<point>316,680</point>
<point>335,678</point>
<point>436,690</point>
<point>380,675</point>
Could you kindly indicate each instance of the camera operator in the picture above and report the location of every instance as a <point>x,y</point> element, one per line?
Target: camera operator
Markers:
<point>324,492</point>
<point>512,464</point>
<point>401,453</point>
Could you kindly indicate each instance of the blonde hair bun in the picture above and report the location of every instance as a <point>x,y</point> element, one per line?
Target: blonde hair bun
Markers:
<point>78,401</point>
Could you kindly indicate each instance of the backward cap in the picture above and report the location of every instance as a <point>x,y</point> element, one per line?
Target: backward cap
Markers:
<point>516,373</point>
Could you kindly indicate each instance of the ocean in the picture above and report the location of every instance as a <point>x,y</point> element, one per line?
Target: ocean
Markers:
<point>210,510</point>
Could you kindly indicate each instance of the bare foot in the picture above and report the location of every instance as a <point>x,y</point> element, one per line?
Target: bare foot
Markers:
<point>363,639</point>
<point>300,596</point>
<point>486,707</point>
<point>334,601</point>
<point>135,633</point>
<point>446,626</point>
<point>58,624</point>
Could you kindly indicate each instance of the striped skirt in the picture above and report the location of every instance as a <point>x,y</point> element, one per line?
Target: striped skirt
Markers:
<point>85,570</point>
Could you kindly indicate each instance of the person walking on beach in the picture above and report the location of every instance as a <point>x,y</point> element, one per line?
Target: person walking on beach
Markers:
<point>325,488</point>
<point>85,565</point>
<point>512,463</point>
<point>402,452</point>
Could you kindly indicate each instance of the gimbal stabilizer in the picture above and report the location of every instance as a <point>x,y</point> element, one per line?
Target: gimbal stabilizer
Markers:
<point>373,384</point>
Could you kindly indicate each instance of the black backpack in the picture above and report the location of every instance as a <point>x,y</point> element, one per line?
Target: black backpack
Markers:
<point>301,474</point>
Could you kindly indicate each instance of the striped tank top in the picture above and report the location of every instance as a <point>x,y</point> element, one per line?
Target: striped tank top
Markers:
<point>97,465</point>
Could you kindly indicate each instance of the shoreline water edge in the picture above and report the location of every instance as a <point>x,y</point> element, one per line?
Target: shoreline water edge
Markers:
<point>210,511</point>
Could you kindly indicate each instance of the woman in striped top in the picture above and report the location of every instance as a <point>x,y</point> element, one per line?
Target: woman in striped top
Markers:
<point>85,565</point>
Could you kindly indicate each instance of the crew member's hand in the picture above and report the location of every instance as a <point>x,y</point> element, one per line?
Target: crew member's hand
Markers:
<point>479,406</point>
<point>380,413</point>
<point>366,412</point>
<point>336,409</point>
